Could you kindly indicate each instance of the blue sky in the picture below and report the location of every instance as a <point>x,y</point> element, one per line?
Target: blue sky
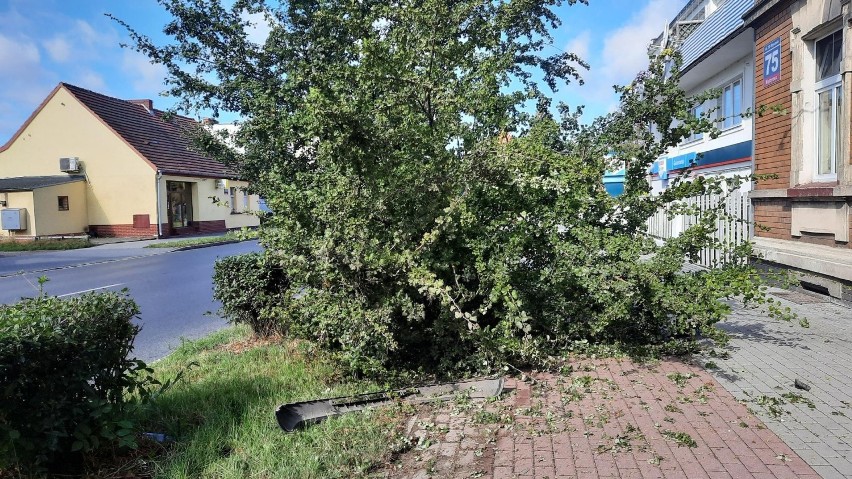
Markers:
<point>44,42</point>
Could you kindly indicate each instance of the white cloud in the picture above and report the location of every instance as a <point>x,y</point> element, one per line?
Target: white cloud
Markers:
<point>147,78</point>
<point>625,50</point>
<point>22,70</point>
<point>579,45</point>
<point>58,48</point>
<point>17,55</point>
<point>259,27</point>
<point>23,84</point>
<point>89,35</point>
<point>81,42</point>
<point>91,80</point>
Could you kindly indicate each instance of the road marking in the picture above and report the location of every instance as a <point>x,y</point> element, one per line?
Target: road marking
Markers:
<point>79,265</point>
<point>88,290</point>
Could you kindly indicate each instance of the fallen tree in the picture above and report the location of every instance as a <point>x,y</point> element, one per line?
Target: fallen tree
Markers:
<point>429,210</point>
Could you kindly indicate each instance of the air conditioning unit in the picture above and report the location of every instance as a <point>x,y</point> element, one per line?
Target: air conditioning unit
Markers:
<point>69,165</point>
<point>221,184</point>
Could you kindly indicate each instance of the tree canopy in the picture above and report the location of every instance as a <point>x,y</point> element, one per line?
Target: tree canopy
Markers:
<point>429,209</point>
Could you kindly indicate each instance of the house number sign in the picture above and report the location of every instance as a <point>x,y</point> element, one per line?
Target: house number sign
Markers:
<point>772,62</point>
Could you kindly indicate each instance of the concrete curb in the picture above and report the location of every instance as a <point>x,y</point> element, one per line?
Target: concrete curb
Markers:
<point>205,245</point>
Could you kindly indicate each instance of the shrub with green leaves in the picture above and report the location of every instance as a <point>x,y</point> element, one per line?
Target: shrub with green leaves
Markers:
<point>431,206</point>
<point>65,377</point>
<point>253,290</point>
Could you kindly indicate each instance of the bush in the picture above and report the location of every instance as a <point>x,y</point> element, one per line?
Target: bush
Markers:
<point>252,291</point>
<point>66,378</point>
<point>430,209</point>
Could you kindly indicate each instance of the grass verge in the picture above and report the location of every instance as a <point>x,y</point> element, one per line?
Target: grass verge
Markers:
<point>227,237</point>
<point>221,414</point>
<point>46,244</point>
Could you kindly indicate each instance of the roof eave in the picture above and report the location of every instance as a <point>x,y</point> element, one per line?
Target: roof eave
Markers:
<point>718,46</point>
<point>757,11</point>
<point>227,176</point>
<point>71,179</point>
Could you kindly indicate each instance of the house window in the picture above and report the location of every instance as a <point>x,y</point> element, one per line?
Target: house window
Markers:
<point>233,195</point>
<point>731,104</point>
<point>828,99</point>
<point>63,203</point>
<point>245,201</point>
<point>695,136</point>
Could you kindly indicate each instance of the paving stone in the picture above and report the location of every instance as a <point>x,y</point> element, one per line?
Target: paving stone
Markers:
<point>828,472</point>
<point>615,426</point>
<point>767,355</point>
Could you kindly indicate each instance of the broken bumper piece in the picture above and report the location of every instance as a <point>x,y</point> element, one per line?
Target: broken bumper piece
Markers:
<point>298,415</point>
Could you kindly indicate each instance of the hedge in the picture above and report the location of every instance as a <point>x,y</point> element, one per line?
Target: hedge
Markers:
<point>66,377</point>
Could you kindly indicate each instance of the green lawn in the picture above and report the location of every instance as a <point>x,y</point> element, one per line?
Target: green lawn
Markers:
<point>221,414</point>
<point>40,245</point>
<point>231,236</point>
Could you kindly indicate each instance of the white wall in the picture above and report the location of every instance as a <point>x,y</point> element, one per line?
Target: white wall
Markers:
<point>726,73</point>
<point>743,68</point>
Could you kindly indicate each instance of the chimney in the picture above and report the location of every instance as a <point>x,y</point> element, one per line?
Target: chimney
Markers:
<point>147,104</point>
<point>209,121</point>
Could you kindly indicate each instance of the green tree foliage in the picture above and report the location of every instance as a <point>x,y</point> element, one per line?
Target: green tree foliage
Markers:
<point>428,209</point>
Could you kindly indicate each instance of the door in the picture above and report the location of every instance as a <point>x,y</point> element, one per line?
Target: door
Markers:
<point>179,203</point>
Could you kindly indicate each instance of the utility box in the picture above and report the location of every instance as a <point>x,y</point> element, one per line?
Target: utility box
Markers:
<point>69,165</point>
<point>13,219</point>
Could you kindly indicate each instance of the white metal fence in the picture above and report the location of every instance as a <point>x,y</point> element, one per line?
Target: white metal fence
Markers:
<point>734,228</point>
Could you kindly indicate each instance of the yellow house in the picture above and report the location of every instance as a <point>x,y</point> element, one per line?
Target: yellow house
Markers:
<point>123,169</point>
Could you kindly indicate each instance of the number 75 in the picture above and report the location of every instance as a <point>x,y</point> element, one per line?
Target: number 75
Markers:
<point>770,62</point>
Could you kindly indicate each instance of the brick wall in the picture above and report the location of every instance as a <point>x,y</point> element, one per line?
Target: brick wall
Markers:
<point>775,215</point>
<point>211,226</point>
<point>128,230</point>
<point>119,231</point>
<point>772,130</point>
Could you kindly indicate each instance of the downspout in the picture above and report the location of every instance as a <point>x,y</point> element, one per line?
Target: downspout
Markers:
<point>753,186</point>
<point>6,205</point>
<point>159,223</point>
<point>753,116</point>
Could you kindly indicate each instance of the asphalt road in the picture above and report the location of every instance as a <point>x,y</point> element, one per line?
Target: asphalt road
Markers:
<point>174,289</point>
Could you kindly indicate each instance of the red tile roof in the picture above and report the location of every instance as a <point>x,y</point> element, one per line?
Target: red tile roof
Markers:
<point>161,139</point>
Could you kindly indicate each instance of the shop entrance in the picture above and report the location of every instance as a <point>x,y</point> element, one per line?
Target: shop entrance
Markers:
<point>179,204</point>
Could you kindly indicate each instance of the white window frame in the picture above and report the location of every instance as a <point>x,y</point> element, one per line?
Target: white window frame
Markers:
<point>833,84</point>
<point>694,137</point>
<point>736,117</point>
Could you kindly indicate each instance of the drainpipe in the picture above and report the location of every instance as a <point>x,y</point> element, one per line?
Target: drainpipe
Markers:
<point>159,223</point>
<point>751,187</point>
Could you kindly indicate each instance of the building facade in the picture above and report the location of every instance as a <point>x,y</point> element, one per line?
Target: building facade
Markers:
<point>716,48</point>
<point>140,174</point>
<point>802,138</point>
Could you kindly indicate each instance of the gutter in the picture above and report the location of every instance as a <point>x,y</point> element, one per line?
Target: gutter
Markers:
<point>159,223</point>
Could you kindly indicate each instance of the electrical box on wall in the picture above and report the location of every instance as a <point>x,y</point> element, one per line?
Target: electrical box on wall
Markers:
<point>13,219</point>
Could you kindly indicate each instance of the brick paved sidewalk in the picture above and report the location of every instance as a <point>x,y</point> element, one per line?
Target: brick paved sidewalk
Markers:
<point>604,418</point>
